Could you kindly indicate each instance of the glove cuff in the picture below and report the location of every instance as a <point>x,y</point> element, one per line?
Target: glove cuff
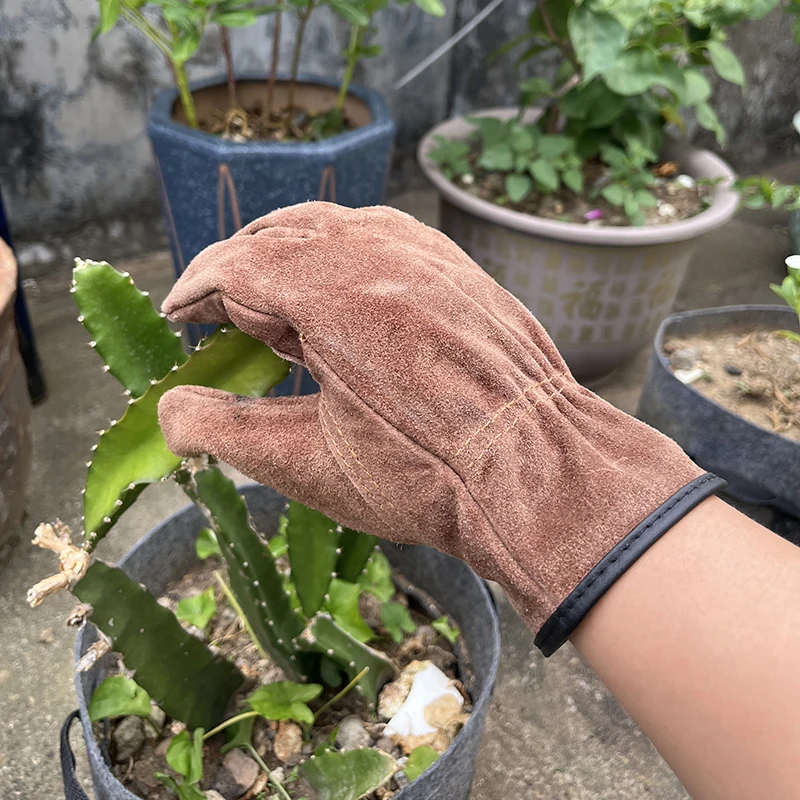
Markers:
<point>622,556</point>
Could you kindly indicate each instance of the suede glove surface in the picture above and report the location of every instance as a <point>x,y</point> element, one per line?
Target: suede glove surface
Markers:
<point>446,416</point>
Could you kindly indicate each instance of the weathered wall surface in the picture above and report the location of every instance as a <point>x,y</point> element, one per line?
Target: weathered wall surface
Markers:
<point>73,114</point>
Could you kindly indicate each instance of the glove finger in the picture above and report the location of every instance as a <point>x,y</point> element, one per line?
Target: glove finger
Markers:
<point>276,441</point>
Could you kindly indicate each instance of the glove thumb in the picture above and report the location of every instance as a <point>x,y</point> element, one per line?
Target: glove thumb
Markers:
<point>276,441</point>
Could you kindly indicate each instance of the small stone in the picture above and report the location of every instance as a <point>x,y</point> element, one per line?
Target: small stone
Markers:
<point>352,734</point>
<point>36,253</point>
<point>667,210</point>
<point>732,370</point>
<point>288,744</point>
<point>279,773</point>
<point>687,181</point>
<point>689,375</point>
<point>261,737</point>
<point>212,794</point>
<point>388,746</point>
<point>684,358</point>
<point>158,717</point>
<point>128,738</point>
<point>370,608</point>
<point>163,746</point>
<point>468,179</point>
<point>236,775</point>
<point>47,636</point>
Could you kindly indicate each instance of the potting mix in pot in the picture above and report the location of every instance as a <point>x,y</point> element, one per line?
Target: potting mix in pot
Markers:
<point>753,373</point>
<point>585,147</point>
<point>295,667</point>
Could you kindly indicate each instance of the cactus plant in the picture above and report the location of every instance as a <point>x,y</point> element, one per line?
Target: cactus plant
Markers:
<point>305,618</point>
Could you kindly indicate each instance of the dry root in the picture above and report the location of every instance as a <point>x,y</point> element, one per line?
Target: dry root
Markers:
<point>72,561</point>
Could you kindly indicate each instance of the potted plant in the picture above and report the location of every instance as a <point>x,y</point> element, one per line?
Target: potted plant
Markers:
<point>577,200</point>
<point>230,150</point>
<point>725,384</point>
<point>15,404</point>
<point>273,651</point>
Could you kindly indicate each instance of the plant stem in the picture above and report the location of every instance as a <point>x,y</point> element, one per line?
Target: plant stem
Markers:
<point>563,48</point>
<point>352,60</point>
<point>272,779</point>
<point>298,48</point>
<point>186,95</point>
<point>225,41</point>
<point>228,722</point>
<point>238,609</point>
<point>337,697</point>
<point>276,52</point>
<point>139,21</point>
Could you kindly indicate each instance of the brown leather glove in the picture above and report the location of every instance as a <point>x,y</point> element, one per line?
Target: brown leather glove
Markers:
<point>446,415</point>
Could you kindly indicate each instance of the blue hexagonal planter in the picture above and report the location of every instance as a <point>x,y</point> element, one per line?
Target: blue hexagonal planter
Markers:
<point>211,187</point>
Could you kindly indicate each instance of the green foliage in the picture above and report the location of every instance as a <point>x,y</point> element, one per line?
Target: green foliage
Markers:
<point>285,700</point>
<point>118,696</point>
<point>397,620</point>
<point>239,735</point>
<point>313,543</point>
<point>207,544</point>
<point>759,192</point>
<point>350,775</point>
<point>355,549</point>
<point>185,756</point>
<point>198,610</point>
<point>342,604</point>
<point>131,337</point>
<point>164,657</point>
<point>254,578</point>
<point>132,453</point>
<point>627,71</point>
<point>419,759</point>
<point>377,577</point>
<point>789,292</point>
<point>450,632</point>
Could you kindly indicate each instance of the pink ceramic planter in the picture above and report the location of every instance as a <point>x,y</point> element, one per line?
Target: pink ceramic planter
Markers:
<point>600,292</point>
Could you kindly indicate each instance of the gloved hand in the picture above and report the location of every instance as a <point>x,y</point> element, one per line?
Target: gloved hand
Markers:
<point>446,415</point>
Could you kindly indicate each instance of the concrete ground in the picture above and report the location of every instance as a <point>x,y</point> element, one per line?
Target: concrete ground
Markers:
<point>553,732</point>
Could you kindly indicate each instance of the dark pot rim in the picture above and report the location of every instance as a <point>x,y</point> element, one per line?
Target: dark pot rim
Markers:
<point>717,311</point>
<point>701,163</point>
<point>161,116</point>
<point>475,720</point>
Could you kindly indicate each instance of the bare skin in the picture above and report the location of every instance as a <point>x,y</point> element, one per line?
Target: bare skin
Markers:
<point>700,641</point>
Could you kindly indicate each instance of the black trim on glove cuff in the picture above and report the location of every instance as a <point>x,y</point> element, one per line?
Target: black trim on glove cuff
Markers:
<point>601,578</point>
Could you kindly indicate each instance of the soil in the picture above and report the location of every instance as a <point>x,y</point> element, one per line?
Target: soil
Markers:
<point>253,124</point>
<point>226,635</point>
<point>679,197</point>
<point>755,374</point>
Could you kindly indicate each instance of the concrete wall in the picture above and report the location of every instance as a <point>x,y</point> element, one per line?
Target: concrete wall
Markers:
<point>73,144</point>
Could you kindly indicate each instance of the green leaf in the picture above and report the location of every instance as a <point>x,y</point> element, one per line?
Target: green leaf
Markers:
<point>313,541</point>
<point>184,791</point>
<point>278,546</point>
<point>356,549</point>
<point>435,8</point>
<point>419,759</point>
<point>198,610</point>
<point>236,19</point>
<point>634,72</point>
<point>443,626</point>
<point>285,700</point>
<point>185,755</point>
<point>207,544</point>
<point>531,89</point>
<point>109,14</point>
<point>349,12</point>
<point>350,775</point>
<point>131,337</point>
<point>698,89</point>
<point>343,607</point>
<point>377,577</point>
<point>186,46</point>
<point>522,138</point>
<point>497,157</point>
<point>551,147</point>
<point>329,672</point>
<point>132,453</point>
<point>614,193</point>
<point>397,620</point>
<point>725,62</point>
<point>164,657</point>
<point>707,118</point>
<point>645,199</point>
<point>518,187</point>
<point>118,696</point>
<point>596,38</point>
<point>545,174</point>
<point>788,291</point>
<point>239,735</point>
<point>573,179</point>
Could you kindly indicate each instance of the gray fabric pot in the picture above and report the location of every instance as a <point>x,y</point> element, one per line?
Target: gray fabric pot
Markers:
<point>167,552</point>
<point>761,467</point>
<point>599,292</point>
